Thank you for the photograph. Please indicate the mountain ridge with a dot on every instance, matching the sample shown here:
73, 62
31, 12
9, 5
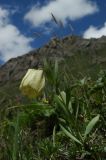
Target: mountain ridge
15, 68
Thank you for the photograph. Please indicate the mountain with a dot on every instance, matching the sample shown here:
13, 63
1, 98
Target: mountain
80, 56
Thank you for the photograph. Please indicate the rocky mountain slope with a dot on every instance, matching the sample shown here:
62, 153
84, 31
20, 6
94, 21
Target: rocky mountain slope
77, 51
80, 57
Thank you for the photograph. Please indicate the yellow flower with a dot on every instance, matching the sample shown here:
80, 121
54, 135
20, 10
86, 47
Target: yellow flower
33, 83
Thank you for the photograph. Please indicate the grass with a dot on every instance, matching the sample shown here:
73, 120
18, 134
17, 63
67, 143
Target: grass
70, 126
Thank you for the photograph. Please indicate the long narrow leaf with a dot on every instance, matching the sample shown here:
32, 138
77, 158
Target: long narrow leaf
91, 125
54, 136
70, 135
59, 102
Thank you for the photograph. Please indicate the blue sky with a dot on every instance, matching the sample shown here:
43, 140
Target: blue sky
22, 20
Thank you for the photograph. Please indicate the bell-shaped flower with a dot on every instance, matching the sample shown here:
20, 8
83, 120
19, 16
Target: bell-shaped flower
33, 83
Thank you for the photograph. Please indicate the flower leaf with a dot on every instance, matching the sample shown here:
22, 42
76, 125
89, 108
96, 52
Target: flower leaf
91, 125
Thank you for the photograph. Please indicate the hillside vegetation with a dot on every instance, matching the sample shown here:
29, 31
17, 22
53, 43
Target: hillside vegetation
68, 120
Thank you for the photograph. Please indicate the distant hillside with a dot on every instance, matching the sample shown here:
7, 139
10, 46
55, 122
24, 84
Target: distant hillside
80, 56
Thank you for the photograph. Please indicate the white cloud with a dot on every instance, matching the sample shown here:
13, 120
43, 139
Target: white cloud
94, 32
12, 42
62, 9
3, 16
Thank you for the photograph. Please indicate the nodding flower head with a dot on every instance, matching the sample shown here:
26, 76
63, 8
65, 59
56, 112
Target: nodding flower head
33, 83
